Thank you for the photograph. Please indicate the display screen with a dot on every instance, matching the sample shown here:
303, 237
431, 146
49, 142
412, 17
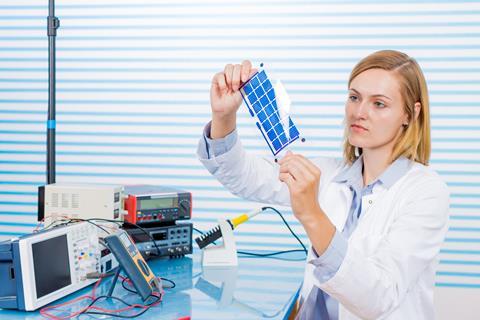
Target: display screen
160, 235
128, 244
125, 240
140, 237
158, 203
51, 265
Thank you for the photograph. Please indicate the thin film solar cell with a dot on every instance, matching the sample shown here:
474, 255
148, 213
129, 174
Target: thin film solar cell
259, 96
259, 92
262, 116
247, 89
267, 85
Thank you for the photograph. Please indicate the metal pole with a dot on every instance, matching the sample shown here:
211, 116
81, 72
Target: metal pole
52, 25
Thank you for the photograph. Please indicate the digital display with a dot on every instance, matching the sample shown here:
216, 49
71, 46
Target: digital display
160, 235
128, 243
125, 240
51, 265
140, 237
158, 203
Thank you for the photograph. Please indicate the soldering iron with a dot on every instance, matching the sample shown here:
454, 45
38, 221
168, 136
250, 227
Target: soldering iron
215, 233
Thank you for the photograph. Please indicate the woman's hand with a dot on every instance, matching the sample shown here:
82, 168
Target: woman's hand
302, 178
225, 97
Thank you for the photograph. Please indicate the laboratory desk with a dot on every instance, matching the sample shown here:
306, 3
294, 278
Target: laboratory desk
258, 288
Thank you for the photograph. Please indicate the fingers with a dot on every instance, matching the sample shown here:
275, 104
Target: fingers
246, 70
287, 178
290, 156
286, 158
228, 71
297, 170
313, 169
236, 75
219, 83
299, 166
237, 69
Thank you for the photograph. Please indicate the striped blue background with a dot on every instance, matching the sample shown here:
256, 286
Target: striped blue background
133, 96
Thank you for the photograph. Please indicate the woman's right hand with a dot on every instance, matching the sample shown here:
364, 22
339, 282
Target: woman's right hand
225, 97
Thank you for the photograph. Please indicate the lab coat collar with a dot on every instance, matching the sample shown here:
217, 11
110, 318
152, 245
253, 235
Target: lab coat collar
395, 171
352, 175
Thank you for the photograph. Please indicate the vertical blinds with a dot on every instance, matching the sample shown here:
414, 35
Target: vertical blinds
133, 81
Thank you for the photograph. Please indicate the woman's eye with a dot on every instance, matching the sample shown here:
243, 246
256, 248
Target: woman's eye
352, 98
380, 104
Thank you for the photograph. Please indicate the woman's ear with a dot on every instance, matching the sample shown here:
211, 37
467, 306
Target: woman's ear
416, 109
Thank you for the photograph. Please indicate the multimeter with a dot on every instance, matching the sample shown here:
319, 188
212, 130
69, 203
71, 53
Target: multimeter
147, 204
132, 262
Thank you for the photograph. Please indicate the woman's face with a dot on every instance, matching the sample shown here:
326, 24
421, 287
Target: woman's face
374, 110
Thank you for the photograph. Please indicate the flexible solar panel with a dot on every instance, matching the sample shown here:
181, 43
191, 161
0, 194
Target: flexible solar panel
259, 96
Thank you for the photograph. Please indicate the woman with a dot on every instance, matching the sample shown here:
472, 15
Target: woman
377, 218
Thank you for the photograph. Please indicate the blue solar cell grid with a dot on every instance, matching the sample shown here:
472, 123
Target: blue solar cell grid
259, 96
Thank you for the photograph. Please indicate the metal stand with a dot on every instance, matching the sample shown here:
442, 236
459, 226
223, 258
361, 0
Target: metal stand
52, 25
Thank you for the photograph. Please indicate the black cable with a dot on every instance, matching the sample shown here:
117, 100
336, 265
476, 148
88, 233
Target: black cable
69, 221
198, 230
148, 234
124, 280
96, 225
136, 226
169, 281
288, 226
106, 220
125, 287
54, 225
149, 305
134, 291
270, 254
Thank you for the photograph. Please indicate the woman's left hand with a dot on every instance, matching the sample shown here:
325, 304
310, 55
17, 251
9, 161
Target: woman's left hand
302, 178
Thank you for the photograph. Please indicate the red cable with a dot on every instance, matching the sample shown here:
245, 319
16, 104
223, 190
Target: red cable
92, 297
44, 312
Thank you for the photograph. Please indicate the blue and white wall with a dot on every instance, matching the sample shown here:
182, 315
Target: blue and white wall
133, 97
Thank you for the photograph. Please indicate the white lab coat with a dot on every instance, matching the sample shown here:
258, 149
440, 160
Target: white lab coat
389, 268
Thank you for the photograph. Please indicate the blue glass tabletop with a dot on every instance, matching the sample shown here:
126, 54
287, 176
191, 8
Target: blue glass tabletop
258, 288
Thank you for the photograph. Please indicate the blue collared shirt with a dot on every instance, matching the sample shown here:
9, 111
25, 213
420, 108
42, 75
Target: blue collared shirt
329, 262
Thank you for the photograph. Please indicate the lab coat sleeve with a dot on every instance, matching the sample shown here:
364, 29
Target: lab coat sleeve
331, 259
247, 176
208, 147
373, 286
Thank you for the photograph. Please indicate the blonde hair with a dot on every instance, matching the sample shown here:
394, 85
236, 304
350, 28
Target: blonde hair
414, 142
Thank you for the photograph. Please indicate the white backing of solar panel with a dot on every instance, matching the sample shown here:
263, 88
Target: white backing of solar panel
131, 74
